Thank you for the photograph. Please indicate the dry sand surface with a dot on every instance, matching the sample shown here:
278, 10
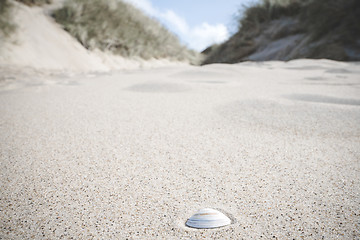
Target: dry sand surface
133, 154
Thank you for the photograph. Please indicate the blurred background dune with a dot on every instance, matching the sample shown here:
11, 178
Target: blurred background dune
112, 30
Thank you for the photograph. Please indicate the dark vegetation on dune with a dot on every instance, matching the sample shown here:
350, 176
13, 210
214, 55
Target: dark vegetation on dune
296, 29
120, 28
6, 25
34, 2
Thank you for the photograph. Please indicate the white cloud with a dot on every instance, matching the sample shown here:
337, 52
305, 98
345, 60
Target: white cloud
176, 21
196, 37
144, 5
205, 35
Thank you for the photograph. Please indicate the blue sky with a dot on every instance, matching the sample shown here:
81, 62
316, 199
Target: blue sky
198, 23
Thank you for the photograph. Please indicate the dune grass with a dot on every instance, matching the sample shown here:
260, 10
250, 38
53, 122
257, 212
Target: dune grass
318, 17
34, 2
268, 10
251, 24
120, 28
335, 18
332, 22
6, 25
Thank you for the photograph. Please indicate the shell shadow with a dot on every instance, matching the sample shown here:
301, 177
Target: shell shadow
157, 87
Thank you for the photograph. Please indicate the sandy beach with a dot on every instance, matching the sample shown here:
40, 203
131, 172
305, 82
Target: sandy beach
132, 154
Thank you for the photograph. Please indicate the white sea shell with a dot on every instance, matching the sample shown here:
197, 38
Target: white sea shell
208, 218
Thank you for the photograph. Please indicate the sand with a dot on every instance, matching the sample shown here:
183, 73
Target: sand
133, 154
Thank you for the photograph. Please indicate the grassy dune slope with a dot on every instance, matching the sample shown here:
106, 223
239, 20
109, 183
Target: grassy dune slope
6, 25
120, 28
290, 29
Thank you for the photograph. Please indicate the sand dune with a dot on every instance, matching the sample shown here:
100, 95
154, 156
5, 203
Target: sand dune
40, 43
133, 154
